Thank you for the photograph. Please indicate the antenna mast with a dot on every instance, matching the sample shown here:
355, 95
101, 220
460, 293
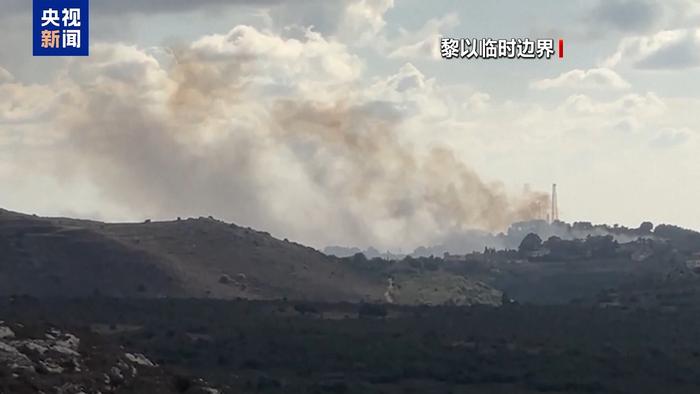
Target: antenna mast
555, 207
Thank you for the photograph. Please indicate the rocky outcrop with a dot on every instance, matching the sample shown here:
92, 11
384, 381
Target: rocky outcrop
57, 363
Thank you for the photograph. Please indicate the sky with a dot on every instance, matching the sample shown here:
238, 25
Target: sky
337, 122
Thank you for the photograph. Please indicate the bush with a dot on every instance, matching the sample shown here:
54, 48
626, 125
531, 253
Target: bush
182, 383
305, 308
372, 310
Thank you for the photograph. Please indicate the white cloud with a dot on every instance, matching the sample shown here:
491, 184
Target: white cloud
312, 64
5, 76
671, 137
424, 42
423, 48
21, 103
363, 20
665, 50
642, 106
596, 78
408, 78
356, 22
478, 101
411, 94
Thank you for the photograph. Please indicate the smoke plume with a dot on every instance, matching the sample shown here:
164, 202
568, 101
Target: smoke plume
210, 131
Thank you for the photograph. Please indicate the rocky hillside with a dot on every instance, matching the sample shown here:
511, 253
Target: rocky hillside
47, 360
201, 258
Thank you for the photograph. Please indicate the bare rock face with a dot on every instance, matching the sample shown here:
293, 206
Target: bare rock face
58, 362
139, 359
54, 354
14, 359
6, 332
121, 374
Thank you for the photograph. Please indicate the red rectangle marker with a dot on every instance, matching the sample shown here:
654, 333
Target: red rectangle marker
561, 48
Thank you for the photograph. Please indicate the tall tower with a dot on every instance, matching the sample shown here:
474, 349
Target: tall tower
555, 207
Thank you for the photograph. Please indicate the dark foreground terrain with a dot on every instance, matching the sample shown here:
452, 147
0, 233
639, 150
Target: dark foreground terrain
200, 306
208, 346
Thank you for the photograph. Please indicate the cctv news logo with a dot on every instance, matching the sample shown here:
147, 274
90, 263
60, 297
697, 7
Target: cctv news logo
61, 27
487, 48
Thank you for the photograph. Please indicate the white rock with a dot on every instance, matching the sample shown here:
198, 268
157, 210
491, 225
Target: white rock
6, 332
115, 376
64, 350
51, 367
35, 346
9, 355
69, 341
67, 344
140, 359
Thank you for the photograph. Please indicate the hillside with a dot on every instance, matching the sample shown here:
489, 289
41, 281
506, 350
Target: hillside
267, 347
52, 257
200, 258
35, 357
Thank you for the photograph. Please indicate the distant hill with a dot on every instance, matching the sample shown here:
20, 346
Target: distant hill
200, 258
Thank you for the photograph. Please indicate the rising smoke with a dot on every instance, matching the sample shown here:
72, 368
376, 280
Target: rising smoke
209, 134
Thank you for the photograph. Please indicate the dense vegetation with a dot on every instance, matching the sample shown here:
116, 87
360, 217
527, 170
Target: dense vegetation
285, 347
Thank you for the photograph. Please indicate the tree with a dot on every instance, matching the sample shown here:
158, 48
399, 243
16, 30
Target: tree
359, 258
530, 243
646, 227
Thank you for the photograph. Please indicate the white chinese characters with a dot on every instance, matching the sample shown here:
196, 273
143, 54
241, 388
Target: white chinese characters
61, 30
71, 39
50, 17
488, 48
449, 48
71, 17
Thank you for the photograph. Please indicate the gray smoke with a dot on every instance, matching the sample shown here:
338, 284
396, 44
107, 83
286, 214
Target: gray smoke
317, 171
